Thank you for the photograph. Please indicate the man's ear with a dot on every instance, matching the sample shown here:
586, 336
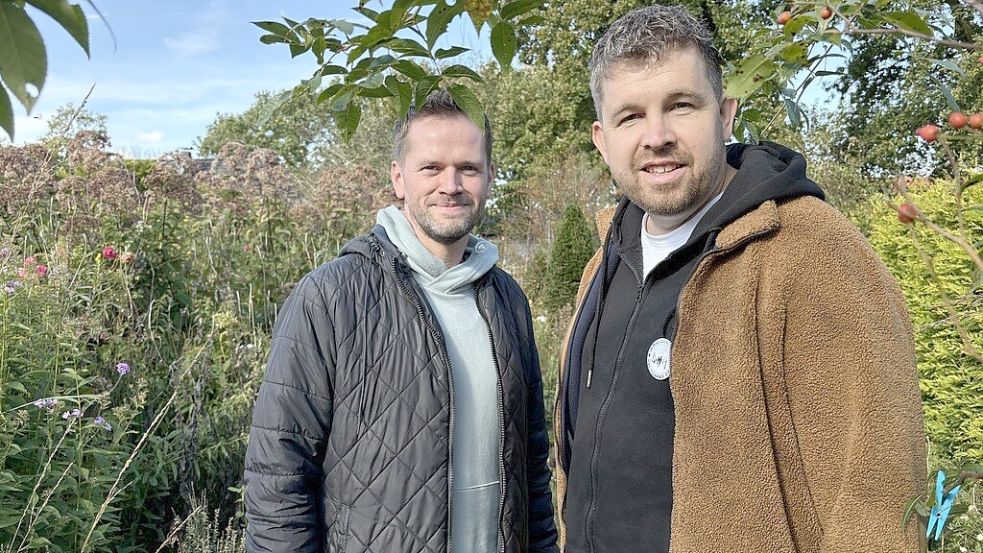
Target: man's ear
597, 135
728, 110
396, 176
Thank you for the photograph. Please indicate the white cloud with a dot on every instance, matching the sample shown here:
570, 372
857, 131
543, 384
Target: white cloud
193, 43
152, 136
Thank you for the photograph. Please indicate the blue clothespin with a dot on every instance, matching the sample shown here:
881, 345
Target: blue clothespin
940, 511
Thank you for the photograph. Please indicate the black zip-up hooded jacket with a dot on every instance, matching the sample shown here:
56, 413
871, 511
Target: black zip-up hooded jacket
618, 430
349, 449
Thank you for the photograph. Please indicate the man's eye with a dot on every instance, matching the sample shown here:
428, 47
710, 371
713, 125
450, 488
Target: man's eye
682, 105
470, 169
630, 117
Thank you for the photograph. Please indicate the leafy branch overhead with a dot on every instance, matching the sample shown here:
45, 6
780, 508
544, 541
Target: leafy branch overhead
396, 55
25, 60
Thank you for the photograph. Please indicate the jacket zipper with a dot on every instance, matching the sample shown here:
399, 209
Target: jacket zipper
588, 522
501, 421
442, 346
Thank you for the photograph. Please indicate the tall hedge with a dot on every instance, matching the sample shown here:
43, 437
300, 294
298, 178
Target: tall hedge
951, 379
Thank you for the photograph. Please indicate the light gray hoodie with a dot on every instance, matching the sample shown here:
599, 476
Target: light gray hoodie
475, 440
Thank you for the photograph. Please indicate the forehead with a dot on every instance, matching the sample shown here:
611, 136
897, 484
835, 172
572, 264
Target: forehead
435, 134
678, 69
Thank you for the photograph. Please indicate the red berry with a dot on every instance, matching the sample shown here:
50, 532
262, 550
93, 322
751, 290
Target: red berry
907, 213
826, 12
928, 133
784, 17
976, 120
958, 120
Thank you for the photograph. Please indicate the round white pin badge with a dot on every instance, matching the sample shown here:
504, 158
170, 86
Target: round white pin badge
658, 358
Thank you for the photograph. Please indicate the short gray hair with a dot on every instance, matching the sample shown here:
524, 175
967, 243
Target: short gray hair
648, 34
439, 103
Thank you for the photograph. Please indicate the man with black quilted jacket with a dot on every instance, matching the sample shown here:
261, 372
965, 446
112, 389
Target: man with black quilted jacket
402, 408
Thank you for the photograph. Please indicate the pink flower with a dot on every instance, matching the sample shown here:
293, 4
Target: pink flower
30, 261
22, 273
42, 271
127, 257
109, 253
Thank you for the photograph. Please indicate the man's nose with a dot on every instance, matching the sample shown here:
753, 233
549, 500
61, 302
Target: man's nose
450, 181
658, 133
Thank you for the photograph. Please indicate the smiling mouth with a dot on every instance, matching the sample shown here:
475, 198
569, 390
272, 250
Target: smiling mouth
661, 168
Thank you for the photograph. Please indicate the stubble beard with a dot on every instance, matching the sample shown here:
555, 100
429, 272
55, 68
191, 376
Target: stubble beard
447, 231
683, 195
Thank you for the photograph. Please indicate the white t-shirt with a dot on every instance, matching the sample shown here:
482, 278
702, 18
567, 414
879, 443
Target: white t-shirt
655, 248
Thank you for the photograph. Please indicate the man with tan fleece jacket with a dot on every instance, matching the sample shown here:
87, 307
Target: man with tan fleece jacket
739, 375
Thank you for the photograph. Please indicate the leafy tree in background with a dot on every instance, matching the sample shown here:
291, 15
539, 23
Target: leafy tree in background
294, 128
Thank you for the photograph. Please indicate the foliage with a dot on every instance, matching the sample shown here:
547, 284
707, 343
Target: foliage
397, 55
573, 247
179, 278
294, 128
25, 64
951, 377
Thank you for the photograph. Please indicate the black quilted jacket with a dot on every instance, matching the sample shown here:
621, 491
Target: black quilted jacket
349, 449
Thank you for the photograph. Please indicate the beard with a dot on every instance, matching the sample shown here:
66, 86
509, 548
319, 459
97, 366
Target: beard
679, 197
447, 230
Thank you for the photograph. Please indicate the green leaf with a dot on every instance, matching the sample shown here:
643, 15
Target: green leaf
469, 102
749, 76
532, 20
520, 7
407, 47
347, 119
437, 21
276, 28
504, 44
25, 61
909, 21
795, 25
423, 88
461, 71
344, 26
909, 510
949, 98
445, 53
330, 69
795, 52
402, 93
69, 16
371, 14
950, 65
410, 69
6, 113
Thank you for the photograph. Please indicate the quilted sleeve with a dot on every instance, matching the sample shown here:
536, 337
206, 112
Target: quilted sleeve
291, 421
542, 528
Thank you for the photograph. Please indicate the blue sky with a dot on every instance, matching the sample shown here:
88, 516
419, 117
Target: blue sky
176, 65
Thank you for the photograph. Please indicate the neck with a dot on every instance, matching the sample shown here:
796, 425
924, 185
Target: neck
664, 224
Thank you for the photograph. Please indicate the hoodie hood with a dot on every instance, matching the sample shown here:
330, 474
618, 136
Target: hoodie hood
765, 171
479, 255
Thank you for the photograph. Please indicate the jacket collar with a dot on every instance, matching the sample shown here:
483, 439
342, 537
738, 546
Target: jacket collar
760, 221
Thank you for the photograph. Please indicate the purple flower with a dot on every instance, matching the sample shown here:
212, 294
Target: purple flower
73, 414
4, 252
46, 403
99, 421
12, 286
122, 368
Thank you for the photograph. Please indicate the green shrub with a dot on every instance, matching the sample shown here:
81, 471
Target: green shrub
951, 378
571, 251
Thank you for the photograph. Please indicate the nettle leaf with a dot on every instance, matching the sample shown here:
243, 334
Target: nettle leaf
520, 7
504, 43
469, 102
25, 62
69, 16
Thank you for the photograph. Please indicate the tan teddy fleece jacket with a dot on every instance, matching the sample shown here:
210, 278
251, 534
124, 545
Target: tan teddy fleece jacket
807, 435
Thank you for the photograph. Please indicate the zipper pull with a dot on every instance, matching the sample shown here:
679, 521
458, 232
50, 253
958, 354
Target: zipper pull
590, 374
